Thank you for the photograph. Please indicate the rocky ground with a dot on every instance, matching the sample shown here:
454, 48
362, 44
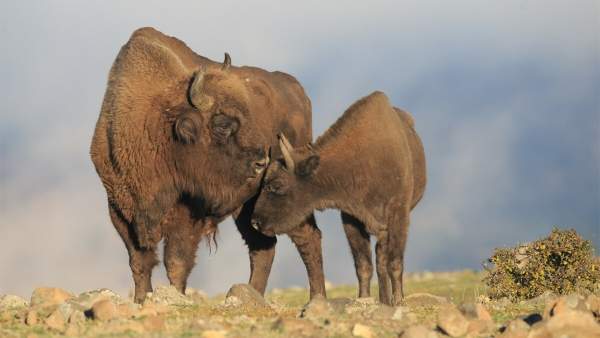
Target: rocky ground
436, 305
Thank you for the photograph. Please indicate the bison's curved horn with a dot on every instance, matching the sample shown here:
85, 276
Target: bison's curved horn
286, 148
196, 97
226, 62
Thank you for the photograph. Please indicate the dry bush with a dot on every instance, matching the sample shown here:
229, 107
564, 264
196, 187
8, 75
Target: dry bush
562, 263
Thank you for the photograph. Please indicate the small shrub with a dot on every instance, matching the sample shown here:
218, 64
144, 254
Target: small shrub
562, 263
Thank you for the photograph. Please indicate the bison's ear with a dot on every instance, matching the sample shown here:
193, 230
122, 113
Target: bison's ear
307, 166
186, 128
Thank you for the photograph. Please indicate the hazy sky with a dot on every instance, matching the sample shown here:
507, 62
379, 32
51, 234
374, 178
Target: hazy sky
505, 95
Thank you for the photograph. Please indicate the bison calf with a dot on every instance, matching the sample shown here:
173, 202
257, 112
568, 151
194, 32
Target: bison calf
370, 164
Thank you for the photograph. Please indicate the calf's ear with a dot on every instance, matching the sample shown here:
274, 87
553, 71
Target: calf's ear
186, 128
307, 166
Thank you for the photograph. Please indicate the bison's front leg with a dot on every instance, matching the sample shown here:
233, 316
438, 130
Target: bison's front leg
182, 235
261, 248
360, 245
141, 260
307, 238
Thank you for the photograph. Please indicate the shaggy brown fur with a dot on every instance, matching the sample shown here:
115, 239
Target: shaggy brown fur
181, 142
371, 165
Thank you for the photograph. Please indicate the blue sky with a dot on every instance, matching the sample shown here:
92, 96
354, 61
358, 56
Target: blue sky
505, 95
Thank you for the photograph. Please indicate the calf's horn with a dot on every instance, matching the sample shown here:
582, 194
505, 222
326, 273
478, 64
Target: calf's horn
285, 147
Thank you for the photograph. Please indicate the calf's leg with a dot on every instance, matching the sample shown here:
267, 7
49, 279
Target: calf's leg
398, 232
307, 238
360, 245
141, 260
381, 252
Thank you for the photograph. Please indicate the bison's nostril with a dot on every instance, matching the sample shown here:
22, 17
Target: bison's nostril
255, 224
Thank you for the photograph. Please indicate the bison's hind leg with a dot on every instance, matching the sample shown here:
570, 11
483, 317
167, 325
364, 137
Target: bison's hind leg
382, 259
360, 245
182, 236
141, 260
398, 232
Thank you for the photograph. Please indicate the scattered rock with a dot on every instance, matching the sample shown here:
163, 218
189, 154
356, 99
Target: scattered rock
86, 299
383, 312
6, 316
9, 302
76, 317
73, 331
419, 331
104, 310
318, 308
168, 295
360, 330
452, 322
340, 304
44, 296
476, 311
246, 295
360, 305
154, 323
424, 299
564, 304
128, 326
56, 321
571, 321
196, 296
31, 317
151, 309
592, 303
294, 325
514, 334
214, 334
479, 326
232, 301
127, 310
517, 325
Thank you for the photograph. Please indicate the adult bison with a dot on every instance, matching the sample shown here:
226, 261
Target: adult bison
181, 143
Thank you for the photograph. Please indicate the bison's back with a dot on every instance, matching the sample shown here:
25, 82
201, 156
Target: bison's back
417, 153
282, 104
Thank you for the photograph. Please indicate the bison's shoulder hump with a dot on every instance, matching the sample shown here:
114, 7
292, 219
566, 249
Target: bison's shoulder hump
406, 117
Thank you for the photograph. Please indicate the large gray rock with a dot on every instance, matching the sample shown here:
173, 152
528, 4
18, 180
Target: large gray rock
44, 296
104, 310
424, 299
452, 322
419, 331
168, 295
318, 308
294, 326
86, 299
246, 296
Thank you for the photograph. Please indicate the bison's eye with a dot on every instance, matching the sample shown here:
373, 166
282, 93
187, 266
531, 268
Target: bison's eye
223, 127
